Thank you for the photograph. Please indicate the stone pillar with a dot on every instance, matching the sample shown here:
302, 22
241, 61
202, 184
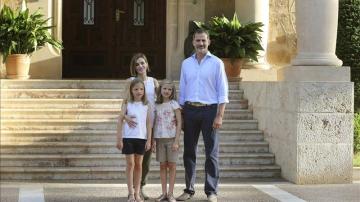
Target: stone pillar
316, 26
179, 13
317, 96
316, 44
256, 11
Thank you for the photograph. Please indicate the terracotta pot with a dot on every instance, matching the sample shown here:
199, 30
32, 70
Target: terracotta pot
233, 68
17, 66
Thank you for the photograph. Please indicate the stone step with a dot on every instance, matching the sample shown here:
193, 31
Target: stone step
112, 173
32, 103
237, 104
101, 160
63, 93
243, 114
107, 136
64, 84
76, 113
77, 84
59, 124
80, 93
96, 124
80, 113
35, 103
66, 130
109, 147
73, 136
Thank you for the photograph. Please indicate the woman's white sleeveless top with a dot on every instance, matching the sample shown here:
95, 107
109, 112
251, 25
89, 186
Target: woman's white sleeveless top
139, 111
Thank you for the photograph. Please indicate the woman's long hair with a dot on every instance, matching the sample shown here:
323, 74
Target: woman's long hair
135, 57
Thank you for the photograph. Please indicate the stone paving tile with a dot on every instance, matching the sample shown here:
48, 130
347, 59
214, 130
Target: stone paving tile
236, 192
85, 194
9, 194
110, 194
325, 192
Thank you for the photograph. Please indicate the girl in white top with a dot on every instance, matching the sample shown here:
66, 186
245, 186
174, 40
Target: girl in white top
139, 67
167, 131
133, 141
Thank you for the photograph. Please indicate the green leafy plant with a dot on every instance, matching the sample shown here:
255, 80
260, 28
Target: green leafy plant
231, 39
348, 35
348, 42
24, 33
357, 133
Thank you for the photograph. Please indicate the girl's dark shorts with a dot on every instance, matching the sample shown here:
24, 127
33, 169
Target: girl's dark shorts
134, 146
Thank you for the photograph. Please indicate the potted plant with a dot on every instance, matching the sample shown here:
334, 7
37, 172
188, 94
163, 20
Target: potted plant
233, 42
21, 34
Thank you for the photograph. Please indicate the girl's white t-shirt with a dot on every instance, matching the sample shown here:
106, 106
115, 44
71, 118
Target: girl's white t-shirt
138, 111
165, 119
150, 94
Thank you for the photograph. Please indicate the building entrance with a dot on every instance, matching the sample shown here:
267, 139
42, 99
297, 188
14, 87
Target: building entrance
100, 37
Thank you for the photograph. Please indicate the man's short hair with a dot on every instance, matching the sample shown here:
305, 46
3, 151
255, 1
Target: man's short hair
201, 31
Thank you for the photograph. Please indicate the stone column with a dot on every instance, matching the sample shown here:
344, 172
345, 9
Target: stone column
256, 11
316, 26
316, 44
316, 95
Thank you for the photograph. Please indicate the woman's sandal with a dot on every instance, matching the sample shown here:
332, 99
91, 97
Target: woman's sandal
138, 198
131, 198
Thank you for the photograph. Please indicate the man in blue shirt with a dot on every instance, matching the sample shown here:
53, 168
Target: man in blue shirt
203, 96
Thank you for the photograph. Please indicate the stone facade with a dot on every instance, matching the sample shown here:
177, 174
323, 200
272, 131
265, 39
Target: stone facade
282, 34
281, 44
310, 129
308, 114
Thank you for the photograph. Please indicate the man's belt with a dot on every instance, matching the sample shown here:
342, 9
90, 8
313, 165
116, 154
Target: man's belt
197, 104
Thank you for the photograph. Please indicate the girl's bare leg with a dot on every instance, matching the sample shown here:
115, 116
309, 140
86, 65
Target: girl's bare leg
163, 176
137, 175
172, 176
129, 172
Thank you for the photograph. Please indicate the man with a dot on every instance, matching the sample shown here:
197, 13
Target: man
203, 95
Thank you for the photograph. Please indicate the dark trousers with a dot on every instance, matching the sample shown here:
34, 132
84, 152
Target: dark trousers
145, 167
198, 119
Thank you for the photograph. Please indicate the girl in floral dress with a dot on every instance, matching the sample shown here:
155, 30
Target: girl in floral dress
167, 131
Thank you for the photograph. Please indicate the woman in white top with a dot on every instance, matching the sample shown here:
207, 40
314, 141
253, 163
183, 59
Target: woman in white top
139, 67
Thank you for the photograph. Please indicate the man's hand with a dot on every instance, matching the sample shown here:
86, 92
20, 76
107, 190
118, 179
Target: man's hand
217, 122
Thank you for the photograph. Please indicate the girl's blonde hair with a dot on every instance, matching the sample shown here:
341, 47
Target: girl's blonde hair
135, 57
130, 96
159, 97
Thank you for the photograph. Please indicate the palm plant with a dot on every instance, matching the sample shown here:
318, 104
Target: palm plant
23, 33
231, 39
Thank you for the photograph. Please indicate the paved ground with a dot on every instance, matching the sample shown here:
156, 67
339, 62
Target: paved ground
228, 192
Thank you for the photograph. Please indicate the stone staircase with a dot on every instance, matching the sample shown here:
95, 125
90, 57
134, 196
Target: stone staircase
65, 130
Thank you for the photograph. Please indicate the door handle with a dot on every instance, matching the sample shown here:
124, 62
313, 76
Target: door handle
118, 12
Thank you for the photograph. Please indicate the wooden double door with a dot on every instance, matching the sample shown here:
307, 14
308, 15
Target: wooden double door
100, 37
